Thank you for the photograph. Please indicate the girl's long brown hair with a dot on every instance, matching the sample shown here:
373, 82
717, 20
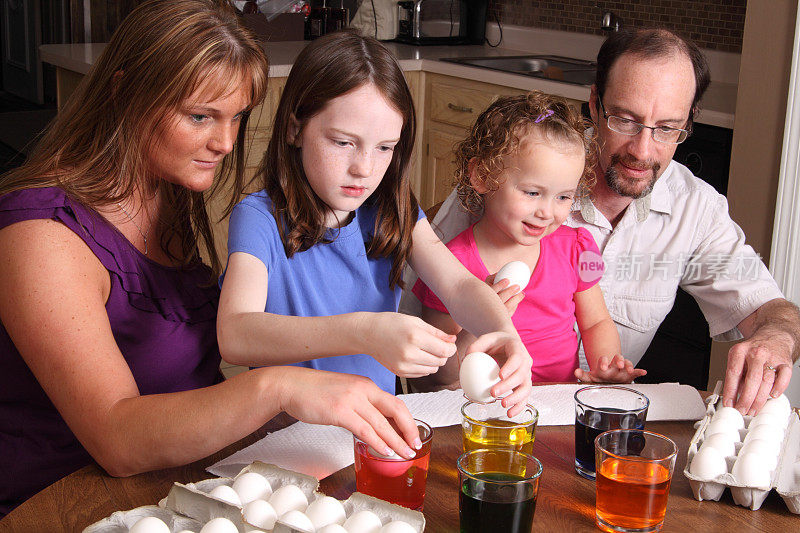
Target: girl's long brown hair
96, 148
327, 68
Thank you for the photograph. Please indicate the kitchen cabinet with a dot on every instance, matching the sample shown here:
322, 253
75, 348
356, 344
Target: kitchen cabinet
453, 104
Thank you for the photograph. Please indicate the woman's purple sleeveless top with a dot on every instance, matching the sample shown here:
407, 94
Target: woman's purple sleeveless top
163, 320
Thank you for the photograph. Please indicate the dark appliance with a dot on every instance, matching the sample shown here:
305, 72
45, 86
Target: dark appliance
326, 19
431, 22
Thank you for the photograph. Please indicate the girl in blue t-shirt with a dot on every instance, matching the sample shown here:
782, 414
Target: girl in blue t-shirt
315, 259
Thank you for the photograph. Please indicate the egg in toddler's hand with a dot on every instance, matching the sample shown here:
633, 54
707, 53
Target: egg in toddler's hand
251, 486
478, 374
516, 272
325, 510
708, 463
219, 525
363, 522
297, 520
288, 498
397, 526
226, 494
260, 513
150, 524
750, 469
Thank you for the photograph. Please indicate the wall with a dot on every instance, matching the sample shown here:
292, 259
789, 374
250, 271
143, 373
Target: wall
711, 24
758, 129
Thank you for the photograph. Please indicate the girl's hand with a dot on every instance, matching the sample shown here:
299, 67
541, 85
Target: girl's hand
515, 368
506, 292
610, 370
354, 403
406, 345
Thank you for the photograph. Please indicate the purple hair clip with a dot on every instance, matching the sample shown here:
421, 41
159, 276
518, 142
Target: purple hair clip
546, 114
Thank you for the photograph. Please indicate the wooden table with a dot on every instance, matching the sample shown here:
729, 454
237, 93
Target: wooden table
565, 503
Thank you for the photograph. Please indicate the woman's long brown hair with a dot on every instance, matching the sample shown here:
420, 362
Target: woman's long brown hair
96, 148
327, 68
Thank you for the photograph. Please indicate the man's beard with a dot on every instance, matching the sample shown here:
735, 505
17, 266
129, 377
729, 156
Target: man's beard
622, 186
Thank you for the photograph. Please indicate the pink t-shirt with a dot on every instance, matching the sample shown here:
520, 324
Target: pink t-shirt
545, 317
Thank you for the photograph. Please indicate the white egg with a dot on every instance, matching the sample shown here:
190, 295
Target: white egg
297, 520
708, 463
260, 513
219, 525
750, 469
769, 419
226, 494
325, 510
725, 426
150, 524
762, 446
252, 486
363, 522
332, 528
729, 413
779, 405
516, 272
721, 442
288, 498
189, 531
398, 526
479, 373
772, 433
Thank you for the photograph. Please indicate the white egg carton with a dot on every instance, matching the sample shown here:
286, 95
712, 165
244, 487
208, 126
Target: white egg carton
785, 478
194, 500
122, 521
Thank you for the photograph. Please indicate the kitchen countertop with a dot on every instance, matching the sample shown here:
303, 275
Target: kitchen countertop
717, 107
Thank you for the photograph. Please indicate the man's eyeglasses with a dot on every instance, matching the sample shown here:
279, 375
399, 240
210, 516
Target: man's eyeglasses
625, 126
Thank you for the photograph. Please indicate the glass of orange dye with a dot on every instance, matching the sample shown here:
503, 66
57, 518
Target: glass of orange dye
634, 469
394, 479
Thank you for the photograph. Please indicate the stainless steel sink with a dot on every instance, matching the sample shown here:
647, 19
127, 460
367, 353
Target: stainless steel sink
557, 68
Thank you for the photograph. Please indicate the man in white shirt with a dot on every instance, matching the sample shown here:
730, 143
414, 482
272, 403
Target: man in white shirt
659, 227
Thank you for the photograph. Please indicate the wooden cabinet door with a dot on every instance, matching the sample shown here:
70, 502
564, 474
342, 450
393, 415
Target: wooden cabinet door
441, 166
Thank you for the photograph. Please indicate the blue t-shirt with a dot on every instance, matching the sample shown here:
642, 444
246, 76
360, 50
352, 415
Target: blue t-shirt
327, 279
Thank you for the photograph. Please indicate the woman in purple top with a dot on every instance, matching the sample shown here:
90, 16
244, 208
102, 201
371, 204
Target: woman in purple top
108, 348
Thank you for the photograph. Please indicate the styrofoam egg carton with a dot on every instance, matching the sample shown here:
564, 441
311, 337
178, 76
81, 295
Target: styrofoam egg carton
122, 521
778, 468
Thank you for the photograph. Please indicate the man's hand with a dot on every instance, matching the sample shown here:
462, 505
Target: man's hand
758, 368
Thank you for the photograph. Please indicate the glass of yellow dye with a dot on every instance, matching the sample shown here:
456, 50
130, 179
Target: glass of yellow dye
488, 426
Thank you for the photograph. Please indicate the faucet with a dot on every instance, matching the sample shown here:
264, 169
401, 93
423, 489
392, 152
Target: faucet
416, 25
610, 22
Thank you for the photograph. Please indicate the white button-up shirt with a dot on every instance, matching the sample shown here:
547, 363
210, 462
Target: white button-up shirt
680, 235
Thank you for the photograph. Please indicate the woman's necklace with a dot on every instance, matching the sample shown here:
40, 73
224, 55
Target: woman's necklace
138, 228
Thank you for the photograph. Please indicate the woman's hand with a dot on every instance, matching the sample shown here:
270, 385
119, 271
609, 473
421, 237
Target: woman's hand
406, 345
515, 368
508, 293
616, 369
352, 402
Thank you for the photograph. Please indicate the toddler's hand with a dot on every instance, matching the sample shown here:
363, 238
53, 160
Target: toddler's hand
406, 345
506, 292
616, 369
515, 368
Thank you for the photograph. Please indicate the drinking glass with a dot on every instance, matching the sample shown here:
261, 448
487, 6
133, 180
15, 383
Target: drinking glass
634, 470
497, 490
394, 479
488, 426
601, 408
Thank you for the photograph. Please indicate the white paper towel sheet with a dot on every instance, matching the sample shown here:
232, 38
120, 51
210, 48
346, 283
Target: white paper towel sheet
320, 451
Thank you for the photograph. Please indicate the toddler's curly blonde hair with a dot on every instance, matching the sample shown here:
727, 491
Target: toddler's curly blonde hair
498, 131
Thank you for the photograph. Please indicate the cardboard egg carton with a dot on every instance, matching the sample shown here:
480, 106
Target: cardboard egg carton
122, 521
189, 506
785, 479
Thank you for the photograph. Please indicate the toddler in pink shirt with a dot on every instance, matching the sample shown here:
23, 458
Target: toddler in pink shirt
522, 166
